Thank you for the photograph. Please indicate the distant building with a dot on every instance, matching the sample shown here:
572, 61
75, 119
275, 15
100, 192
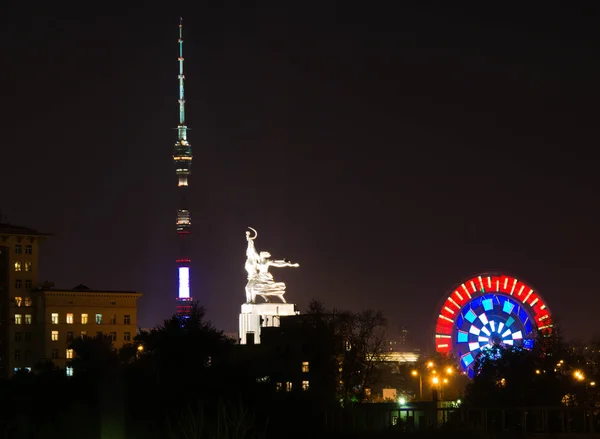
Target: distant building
63, 315
290, 361
38, 322
18, 278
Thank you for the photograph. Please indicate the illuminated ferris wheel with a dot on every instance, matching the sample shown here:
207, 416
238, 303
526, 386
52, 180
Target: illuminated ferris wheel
488, 310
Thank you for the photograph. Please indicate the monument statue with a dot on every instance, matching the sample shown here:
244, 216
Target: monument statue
260, 281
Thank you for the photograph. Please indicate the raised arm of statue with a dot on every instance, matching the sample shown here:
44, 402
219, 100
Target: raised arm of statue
282, 263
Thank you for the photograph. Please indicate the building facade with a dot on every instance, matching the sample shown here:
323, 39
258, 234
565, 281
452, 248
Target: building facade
38, 322
63, 315
19, 250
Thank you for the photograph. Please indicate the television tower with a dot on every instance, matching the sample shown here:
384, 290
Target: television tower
182, 157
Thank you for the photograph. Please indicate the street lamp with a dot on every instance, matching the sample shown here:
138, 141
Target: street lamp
417, 374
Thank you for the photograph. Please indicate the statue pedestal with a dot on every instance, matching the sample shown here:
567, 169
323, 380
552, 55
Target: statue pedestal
260, 315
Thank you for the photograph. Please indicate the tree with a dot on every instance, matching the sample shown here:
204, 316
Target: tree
357, 341
551, 374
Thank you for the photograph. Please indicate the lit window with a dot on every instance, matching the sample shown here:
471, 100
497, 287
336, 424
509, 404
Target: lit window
18, 301
305, 366
54, 318
113, 336
54, 354
113, 320
83, 334
18, 319
28, 319
18, 283
17, 336
98, 319
127, 319
278, 387
18, 249
69, 371
69, 354
28, 301
84, 318
54, 336
69, 318
288, 386
305, 385
70, 336
28, 266
127, 336
17, 266
17, 354
28, 249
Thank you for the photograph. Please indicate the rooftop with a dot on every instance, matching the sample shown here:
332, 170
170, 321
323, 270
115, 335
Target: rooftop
13, 229
49, 288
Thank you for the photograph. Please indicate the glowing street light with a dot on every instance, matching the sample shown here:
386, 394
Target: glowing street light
430, 364
435, 380
449, 370
579, 375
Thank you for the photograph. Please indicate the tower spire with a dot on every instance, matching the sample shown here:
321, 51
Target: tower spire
182, 129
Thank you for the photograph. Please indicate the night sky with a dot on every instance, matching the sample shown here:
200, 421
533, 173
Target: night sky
392, 152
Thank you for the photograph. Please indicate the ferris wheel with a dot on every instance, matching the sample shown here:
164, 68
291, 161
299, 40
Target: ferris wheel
489, 310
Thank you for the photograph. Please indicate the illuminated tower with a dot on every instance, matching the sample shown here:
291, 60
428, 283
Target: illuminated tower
182, 157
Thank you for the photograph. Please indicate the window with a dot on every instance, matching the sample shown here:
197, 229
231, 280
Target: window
28, 336
113, 320
305, 366
28, 249
113, 336
28, 301
70, 318
27, 354
99, 334
98, 319
18, 301
28, 266
17, 354
18, 319
17, 266
69, 354
83, 334
54, 336
113, 302
127, 336
127, 319
18, 283
54, 318
305, 385
69, 371
17, 336
70, 336
84, 318
278, 387
28, 319
18, 249
54, 354
288, 386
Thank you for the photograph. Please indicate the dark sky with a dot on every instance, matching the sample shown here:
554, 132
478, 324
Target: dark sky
391, 151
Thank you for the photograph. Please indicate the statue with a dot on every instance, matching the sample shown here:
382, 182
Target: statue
260, 281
